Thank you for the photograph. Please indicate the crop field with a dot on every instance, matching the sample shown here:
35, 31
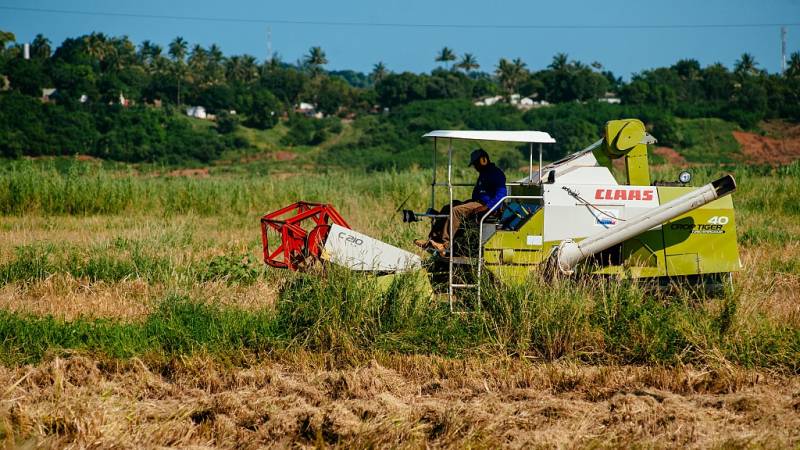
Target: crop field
135, 312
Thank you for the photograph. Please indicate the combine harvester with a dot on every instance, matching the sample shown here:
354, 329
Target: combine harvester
569, 217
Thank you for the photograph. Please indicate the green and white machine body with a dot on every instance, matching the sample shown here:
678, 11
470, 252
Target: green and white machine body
576, 217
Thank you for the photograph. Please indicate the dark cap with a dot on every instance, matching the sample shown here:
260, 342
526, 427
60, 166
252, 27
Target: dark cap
476, 155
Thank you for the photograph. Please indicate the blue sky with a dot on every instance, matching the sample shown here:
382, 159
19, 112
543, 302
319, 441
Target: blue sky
624, 51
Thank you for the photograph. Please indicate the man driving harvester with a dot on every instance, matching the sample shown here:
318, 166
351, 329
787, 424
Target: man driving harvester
488, 191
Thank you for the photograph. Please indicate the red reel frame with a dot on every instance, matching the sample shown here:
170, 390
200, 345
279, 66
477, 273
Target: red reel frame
297, 244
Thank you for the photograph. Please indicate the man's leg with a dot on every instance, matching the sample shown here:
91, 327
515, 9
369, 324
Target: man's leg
440, 223
437, 226
460, 213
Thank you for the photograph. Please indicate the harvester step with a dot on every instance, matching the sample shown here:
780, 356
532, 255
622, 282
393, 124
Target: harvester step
463, 260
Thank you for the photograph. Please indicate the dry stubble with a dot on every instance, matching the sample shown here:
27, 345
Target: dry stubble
396, 401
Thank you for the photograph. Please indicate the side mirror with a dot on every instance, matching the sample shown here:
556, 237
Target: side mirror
551, 177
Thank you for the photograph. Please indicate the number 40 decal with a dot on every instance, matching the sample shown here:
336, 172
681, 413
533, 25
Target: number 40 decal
718, 220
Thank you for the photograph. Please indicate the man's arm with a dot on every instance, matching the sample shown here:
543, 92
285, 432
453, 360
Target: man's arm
498, 188
481, 196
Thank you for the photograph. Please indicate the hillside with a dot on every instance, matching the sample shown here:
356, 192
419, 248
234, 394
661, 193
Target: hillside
104, 97
700, 142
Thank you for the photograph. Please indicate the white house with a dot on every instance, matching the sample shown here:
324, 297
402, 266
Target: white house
198, 112
308, 109
525, 101
49, 94
610, 98
489, 101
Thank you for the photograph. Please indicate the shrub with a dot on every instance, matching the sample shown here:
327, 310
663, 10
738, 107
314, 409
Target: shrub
266, 110
307, 131
227, 123
232, 269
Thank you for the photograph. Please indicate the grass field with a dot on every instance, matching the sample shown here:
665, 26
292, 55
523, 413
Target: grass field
134, 311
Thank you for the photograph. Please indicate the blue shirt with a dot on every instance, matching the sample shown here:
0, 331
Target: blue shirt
490, 187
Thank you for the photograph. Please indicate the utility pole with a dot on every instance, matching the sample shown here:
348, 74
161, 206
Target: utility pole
783, 49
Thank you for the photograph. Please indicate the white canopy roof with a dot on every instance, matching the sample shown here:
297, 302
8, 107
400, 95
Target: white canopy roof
536, 137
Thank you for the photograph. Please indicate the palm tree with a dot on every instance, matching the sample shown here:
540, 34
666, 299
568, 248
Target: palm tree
510, 74
468, 63
6, 37
40, 47
519, 65
198, 57
122, 53
215, 55
379, 72
198, 62
241, 69
560, 62
177, 49
97, 46
746, 65
249, 69
215, 68
149, 53
315, 60
793, 68
446, 55
233, 68
161, 65
274, 63
112, 54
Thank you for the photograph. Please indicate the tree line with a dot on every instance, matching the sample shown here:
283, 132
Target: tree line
91, 73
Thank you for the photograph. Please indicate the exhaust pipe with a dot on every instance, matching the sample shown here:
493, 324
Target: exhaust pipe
570, 253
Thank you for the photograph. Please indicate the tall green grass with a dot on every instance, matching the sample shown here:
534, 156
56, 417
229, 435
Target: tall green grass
352, 315
28, 187
39, 261
36, 187
36, 262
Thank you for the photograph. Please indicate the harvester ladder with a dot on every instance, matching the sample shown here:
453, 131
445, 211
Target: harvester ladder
452, 286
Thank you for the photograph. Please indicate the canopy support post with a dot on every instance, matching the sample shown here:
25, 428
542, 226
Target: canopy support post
540, 163
433, 183
450, 222
530, 162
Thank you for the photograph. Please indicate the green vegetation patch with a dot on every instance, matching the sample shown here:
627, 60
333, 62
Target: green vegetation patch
39, 261
708, 141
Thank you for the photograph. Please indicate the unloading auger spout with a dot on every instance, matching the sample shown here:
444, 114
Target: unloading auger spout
569, 253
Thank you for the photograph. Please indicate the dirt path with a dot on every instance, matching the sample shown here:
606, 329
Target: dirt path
759, 149
197, 173
671, 156
397, 402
